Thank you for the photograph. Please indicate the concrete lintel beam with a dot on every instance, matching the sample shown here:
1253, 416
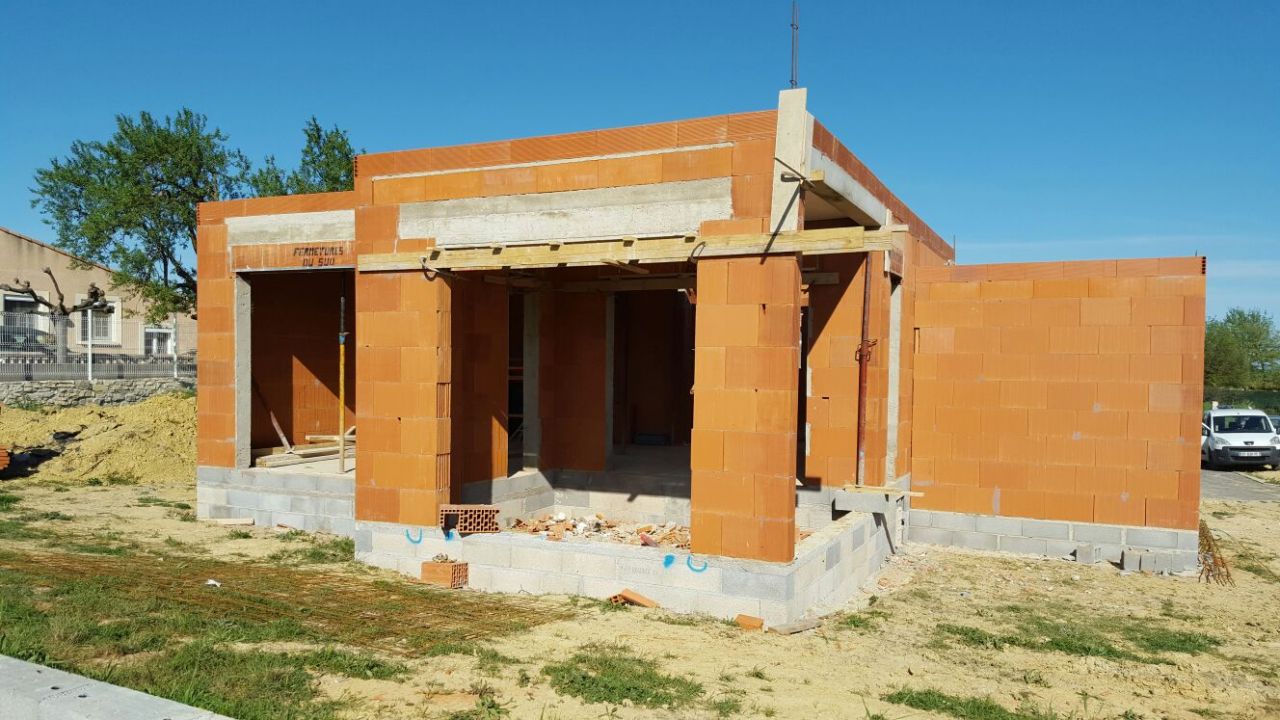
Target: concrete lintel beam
830, 182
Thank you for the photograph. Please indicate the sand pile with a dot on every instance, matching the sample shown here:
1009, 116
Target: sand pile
154, 441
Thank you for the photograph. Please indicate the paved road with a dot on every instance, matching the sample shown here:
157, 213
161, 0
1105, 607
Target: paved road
1226, 485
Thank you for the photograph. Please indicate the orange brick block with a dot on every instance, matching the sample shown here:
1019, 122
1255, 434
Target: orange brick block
1119, 510
1105, 311
1070, 507
1073, 340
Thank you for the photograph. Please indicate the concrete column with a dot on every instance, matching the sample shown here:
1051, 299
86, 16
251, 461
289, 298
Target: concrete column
243, 324
532, 415
609, 330
746, 395
792, 145
893, 401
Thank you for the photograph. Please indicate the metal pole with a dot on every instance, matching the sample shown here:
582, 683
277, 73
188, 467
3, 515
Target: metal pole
342, 378
173, 340
864, 358
89, 329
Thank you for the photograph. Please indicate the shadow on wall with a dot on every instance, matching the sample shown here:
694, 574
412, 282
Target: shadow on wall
295, 353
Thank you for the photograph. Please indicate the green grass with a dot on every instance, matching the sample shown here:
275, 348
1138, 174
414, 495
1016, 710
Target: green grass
488, 660
865, 620
18, 530
320, 551
153, 501
149, 622
1160, 640
725, 706
46, 515
965, 708
1248, 557
8, 501
613, 674
1143, 640
239, 535
113, 478
487, 707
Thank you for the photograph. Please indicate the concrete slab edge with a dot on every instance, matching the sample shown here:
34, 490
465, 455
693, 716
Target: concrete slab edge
35, 692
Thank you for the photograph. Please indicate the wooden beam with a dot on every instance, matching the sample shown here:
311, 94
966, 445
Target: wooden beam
630, 250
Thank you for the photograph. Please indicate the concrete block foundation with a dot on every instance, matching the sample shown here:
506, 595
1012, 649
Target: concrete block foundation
1162, 550
830, 566
306, 501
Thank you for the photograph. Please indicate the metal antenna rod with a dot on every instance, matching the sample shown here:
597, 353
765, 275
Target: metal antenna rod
795, 43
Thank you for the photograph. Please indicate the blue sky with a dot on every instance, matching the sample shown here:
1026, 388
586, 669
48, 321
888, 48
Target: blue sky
1027, 130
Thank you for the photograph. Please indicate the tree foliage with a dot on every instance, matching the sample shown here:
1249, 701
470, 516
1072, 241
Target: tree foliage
326, 166
130, 202
1242, 350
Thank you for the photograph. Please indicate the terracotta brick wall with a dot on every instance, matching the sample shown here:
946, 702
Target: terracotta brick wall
480, 368
215, 306
295, 354
653, 367
571, 401
1064, 391
746, 387
404, 352
215, 349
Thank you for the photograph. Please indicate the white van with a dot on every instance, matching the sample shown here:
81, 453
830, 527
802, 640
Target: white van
1239, 437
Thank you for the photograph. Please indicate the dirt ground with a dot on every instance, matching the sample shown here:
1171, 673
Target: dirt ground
1040, 638
151, 442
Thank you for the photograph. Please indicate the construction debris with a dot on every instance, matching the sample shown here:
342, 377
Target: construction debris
631, 597
232, 521
1213, 566
749, 622
598, 527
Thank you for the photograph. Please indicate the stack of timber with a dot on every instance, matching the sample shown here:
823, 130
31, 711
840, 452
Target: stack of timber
4, 457
317, 447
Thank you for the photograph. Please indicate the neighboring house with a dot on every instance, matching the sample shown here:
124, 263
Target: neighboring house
123, 331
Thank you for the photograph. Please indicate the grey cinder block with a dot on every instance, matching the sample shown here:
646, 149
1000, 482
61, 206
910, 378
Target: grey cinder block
975, 540
999, 525
920, 518
1088, 553
1047, 529
954, 521
1132, 560
931, 535
1152, 538
1023, 545
1102, 534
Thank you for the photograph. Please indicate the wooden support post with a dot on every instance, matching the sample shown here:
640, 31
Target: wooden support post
342, 379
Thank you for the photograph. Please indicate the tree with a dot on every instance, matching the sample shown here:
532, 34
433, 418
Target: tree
327, 165
130, 202
58, 311
1242, 350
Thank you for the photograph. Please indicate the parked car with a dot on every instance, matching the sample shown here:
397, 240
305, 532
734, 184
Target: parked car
1239, 437
19, 339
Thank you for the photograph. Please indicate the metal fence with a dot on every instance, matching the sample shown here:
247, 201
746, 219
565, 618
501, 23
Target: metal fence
94, 345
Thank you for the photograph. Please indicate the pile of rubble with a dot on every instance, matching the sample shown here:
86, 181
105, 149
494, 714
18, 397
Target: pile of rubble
561, 526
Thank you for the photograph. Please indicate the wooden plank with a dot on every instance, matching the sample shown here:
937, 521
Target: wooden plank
627, 250
307, 455
677, 282
881, 490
